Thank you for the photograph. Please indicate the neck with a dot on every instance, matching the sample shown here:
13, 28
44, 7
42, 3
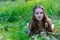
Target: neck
40, 21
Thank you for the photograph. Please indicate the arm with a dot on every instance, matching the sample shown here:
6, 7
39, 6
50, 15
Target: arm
29, 29
49, 28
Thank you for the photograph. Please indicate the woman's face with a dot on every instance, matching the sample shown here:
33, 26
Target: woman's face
38, 14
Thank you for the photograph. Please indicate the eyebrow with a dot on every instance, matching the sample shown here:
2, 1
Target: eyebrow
38, 12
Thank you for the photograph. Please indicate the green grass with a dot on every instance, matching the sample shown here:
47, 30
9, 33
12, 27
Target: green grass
14, 17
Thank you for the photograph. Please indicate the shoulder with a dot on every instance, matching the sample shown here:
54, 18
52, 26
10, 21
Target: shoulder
49, 20
30, 24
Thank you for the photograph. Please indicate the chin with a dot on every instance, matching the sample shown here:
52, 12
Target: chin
39, 19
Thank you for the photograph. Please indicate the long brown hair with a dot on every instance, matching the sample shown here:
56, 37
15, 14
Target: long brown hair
33, 25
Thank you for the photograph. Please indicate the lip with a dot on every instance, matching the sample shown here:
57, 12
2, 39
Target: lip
39, 17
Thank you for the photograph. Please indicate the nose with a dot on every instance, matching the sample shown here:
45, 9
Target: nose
39, 14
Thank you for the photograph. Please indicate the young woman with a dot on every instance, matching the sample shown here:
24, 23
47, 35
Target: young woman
40, 23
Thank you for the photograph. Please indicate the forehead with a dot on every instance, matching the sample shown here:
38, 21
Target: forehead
38, 10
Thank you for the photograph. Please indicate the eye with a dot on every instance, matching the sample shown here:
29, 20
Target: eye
36, 13
41, 12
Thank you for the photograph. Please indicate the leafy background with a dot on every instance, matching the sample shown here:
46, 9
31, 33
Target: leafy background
15, 14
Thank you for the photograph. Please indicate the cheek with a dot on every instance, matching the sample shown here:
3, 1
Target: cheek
36, 15
42, 16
